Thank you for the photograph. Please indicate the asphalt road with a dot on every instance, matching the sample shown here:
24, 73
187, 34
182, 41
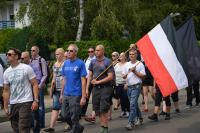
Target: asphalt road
188, 121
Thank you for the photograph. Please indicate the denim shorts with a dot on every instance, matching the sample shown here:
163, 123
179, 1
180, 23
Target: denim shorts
56, 102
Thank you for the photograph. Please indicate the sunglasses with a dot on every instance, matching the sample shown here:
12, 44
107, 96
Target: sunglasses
132, 54
9, 54
71, 51
90, 51
32, 50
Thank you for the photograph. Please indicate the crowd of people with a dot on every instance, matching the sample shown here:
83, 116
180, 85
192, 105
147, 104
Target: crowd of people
112, 83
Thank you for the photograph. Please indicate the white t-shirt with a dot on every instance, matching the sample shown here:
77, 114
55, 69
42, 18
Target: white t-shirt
119, 73
18, 78
132, 79
87, 64
1, 76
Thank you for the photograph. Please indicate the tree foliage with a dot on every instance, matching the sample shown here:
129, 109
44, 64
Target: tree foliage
57, 20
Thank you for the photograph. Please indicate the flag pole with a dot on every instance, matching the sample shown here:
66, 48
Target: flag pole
115, 62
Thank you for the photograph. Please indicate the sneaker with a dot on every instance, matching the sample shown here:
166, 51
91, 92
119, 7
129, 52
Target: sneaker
130, 126
137, 122
162, 113
167, 116
127, 115
90, 119
141, 120
67, 128
51, 130
153, 117
104, 130
188, 107
123, 114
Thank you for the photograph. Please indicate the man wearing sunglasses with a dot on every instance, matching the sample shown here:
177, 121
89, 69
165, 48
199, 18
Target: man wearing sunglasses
73, 94
39, 66
91, 56
20, 91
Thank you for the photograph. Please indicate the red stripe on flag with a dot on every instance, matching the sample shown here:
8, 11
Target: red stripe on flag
156, 67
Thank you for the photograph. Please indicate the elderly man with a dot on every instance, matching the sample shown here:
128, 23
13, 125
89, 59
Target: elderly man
102, 91
73, 94
21, 91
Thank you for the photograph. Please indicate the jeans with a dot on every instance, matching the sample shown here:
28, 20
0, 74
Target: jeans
41, 108
35, 121
56, 102
71, 110
133, 95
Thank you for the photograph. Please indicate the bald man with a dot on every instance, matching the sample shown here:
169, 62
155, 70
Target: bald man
25, 57
102, 91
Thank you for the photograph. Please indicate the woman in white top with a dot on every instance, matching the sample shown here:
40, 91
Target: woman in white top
120, 91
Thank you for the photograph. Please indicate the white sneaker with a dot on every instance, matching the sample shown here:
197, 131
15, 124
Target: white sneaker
137, 122
129, 126
127, 115
123, 114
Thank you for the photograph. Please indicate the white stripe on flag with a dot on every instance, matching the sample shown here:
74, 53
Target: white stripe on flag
168, 56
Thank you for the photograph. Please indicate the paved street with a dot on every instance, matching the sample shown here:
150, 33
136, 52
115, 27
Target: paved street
188, 121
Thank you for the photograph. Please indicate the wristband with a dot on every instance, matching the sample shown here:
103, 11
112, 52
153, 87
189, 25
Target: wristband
36, 100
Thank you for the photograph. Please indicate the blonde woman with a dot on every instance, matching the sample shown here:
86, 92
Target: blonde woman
119, 87
56, 88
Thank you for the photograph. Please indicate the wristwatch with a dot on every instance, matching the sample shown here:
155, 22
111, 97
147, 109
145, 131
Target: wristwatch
36, 100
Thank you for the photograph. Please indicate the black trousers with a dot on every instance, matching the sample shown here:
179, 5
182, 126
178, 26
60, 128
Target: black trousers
159, 97
195, 88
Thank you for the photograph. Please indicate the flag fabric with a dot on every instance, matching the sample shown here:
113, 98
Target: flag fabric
164, 57
187, 38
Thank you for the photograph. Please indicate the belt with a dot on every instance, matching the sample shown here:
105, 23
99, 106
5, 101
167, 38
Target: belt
119, 84
135, 85
101, 86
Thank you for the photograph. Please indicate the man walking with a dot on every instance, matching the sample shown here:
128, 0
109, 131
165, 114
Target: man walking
25, 58
73, 93
19, 86
40, 68
134, 73
91, 56
102, 91
1, 87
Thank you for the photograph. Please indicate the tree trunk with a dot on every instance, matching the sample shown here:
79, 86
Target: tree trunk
81, 21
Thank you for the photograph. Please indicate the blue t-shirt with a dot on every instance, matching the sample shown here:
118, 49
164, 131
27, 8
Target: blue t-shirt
72, 71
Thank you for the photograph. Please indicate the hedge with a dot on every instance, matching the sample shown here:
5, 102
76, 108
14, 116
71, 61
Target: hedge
110, 46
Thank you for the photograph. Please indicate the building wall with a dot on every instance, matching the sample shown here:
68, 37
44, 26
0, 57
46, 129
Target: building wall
26, 21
